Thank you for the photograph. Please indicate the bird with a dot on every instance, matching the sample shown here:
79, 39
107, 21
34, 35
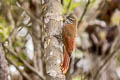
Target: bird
69, 32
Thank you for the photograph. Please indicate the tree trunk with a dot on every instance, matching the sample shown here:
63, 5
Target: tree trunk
52, 39
3, 65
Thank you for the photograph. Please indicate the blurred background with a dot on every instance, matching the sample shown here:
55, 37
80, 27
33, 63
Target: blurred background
96, 56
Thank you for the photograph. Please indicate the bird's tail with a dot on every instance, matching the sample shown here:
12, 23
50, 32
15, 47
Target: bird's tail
65, 63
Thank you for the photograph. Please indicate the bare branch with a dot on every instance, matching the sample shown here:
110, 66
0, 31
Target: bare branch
84, 12
24, 62
113, 52
4, 70
24, 74
53, 45
68, 7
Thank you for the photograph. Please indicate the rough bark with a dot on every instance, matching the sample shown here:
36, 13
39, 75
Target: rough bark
3, 65
52, 39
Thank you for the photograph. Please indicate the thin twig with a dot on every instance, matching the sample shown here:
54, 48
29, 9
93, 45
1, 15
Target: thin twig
24, 74
28, 11
62, 2
68, 7
105, 63
24, 62
112, 54
10, 17
84, 12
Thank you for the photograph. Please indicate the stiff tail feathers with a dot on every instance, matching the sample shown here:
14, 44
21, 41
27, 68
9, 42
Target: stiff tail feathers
65, 63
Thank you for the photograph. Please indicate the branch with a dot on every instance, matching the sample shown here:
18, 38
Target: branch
4, 70
68, 7
84, 12
113, 52
24, 62
105, 63
24, 74
10, 17
29, 12
53, 48
62, 2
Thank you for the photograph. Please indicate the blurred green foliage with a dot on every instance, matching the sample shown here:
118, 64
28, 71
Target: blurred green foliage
82, 77
10, 2
75, 3
19, 42
15, 59
23, 56
5, 29
72, 6
77, 78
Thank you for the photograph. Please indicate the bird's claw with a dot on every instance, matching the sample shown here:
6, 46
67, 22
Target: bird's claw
64, 68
